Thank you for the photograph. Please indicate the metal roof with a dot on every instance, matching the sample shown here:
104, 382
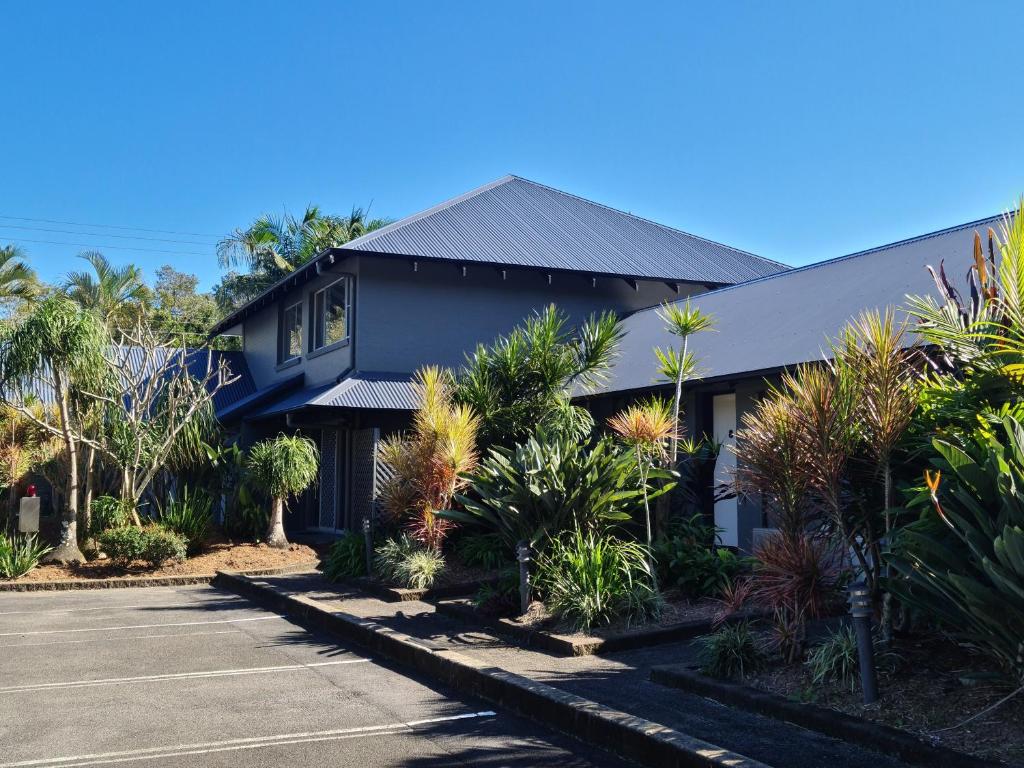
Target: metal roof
516, 222
785, 319
362, 390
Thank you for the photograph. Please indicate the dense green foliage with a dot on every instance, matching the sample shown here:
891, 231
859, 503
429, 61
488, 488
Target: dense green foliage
110, 512
732, 651
151, 544
688, 559
190, 516
346, 557
484, 550
835, 658
549, 484
284, 465
589, 578
406, 562
19, 555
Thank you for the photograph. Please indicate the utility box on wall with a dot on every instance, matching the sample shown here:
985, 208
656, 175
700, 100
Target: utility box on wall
28, 514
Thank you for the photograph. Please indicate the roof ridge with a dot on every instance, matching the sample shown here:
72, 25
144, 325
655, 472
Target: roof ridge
835, 260
414, 217
646, 220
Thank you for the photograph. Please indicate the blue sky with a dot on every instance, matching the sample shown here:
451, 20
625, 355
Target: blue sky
799, 131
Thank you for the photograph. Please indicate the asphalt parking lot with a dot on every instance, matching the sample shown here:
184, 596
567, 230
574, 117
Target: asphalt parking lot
194, 676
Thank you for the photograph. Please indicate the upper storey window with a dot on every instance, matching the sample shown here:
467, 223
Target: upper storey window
330, 313
289, 334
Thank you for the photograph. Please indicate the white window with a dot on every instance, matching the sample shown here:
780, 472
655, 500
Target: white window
329, 314
289, 334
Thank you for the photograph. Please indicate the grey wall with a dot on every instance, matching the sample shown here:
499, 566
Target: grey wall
406, 319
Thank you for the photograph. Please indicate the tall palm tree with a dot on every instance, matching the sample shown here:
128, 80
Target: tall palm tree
17, 280
114, 294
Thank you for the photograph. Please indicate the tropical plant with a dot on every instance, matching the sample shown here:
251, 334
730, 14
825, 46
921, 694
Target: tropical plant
117, 295
406, 562
646, 428
688, 559
500, 598
151, 544
19, 555
110, 512
962, 562
17, 280
24, 445
835, 658
797, 578
524, 381
483, 550
282, 467
732, 651
346, 557
59, 348
427, 466
190, 515
549, 484
590, 578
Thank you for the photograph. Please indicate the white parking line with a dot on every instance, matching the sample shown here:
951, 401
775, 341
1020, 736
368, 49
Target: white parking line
228, 745
137, 626
113, 639
174, 676
111, 607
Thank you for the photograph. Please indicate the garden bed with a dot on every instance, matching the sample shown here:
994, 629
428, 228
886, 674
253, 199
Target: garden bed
928, 689
249, 558
679, 620
454, 581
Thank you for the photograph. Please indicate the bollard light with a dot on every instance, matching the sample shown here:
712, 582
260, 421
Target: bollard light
523, 555
861, 611
368, 544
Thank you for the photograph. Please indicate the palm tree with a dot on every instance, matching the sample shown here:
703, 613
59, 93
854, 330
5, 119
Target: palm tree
283, 466
114, 294
58, 346
17, 280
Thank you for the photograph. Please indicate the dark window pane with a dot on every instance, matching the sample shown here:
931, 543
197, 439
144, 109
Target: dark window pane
291, 333
330, 315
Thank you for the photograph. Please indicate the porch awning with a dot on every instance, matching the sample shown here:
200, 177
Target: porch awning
361, 390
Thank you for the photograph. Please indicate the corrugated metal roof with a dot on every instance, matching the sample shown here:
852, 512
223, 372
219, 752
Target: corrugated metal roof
369, 390
196, 361
788, 318
516, 222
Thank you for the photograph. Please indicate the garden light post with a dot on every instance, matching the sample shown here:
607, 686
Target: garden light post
861, 610
523, 556
368, 543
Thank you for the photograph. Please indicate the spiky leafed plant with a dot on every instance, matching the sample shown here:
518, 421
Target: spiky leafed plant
116, 294
428, 464
17, 280
282, 467
682, 321
60, 347
647, 428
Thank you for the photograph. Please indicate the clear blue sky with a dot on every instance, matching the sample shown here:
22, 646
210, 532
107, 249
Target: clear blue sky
799, 131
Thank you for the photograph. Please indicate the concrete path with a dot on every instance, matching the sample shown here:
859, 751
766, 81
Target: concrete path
193, 676
619, 680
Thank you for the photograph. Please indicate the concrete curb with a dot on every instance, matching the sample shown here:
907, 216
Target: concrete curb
634, 738
565, 645
838, 725
143, 581
401, 594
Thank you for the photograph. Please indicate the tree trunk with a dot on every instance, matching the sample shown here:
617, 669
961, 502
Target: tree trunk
275, 530
90, 465
67, 550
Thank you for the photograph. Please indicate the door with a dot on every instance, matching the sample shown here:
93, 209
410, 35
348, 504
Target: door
723, 410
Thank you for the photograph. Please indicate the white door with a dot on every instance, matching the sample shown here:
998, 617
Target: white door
723, 414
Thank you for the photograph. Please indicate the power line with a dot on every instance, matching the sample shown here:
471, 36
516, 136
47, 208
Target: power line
116, 247
101, 234
112, 226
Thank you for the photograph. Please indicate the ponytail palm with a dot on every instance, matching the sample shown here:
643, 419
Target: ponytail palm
282, 467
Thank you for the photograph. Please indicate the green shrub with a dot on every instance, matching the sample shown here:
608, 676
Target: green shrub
688, 560
19, 555
404, 561
483, 550
731, 651
110, 512
346, 558
500, 598
190, 516
153, 545
835, 658
589, 579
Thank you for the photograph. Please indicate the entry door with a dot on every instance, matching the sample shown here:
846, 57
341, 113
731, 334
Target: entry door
724, 430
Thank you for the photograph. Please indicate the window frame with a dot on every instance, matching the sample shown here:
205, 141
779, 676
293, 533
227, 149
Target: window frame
311, 347
284, 355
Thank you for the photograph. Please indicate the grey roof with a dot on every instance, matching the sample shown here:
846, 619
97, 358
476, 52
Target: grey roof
195, 360
362, 390
516, 222
788, 318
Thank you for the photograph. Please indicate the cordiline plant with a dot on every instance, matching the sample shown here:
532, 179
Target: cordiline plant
963, 561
